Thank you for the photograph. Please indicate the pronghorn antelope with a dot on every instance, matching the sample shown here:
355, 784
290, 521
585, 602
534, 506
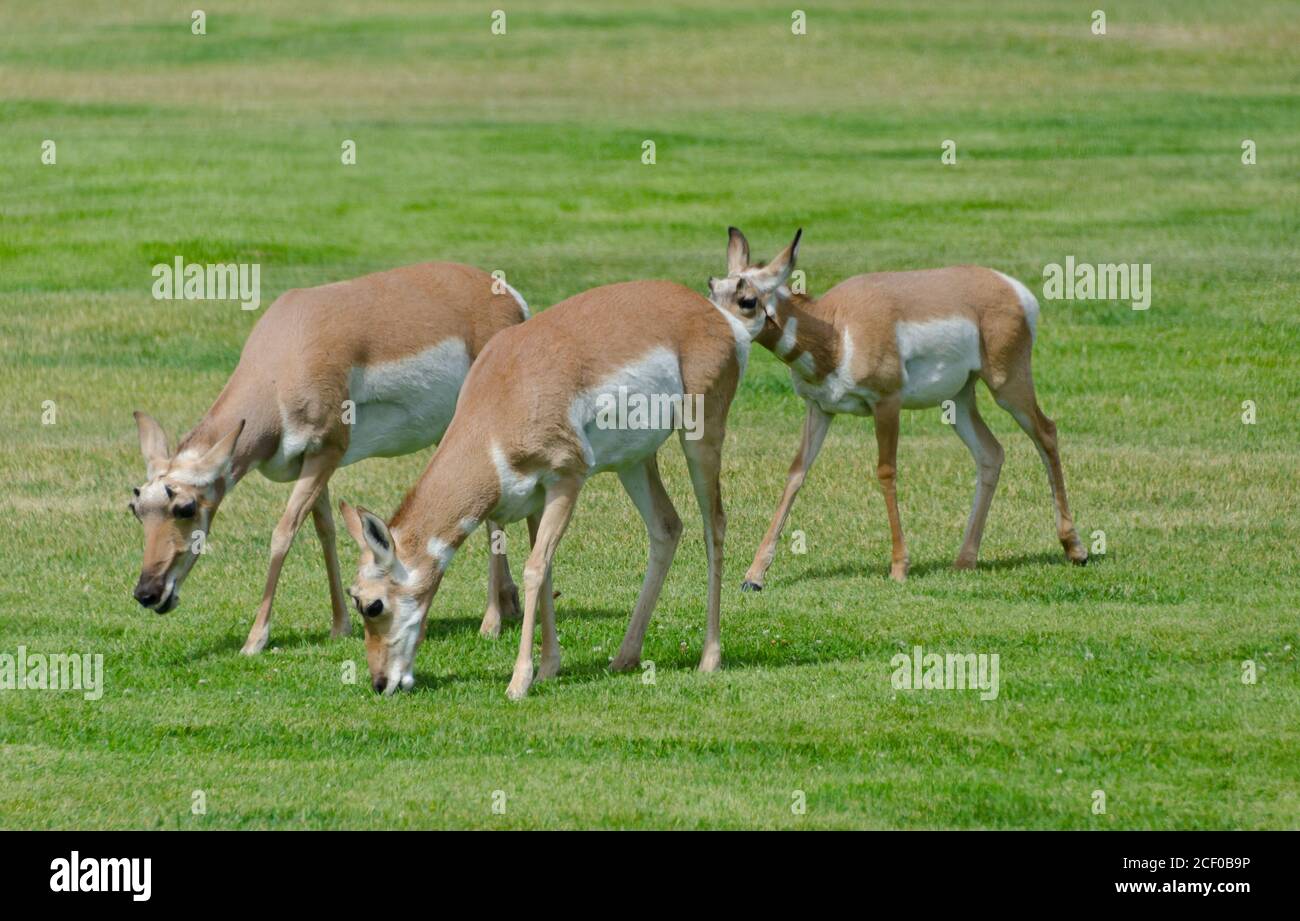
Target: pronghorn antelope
876, 344
329, 376
529, 430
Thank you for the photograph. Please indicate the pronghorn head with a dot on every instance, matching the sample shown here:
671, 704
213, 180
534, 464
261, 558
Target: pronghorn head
754, 290
391, 603
175, 505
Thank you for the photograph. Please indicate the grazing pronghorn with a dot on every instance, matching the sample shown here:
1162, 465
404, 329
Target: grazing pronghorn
533, 423
329, 376
879, 343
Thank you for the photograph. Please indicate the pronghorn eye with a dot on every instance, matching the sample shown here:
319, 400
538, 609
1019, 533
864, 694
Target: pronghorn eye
374, 609
135, 491
171, 493
748, 303
185, 511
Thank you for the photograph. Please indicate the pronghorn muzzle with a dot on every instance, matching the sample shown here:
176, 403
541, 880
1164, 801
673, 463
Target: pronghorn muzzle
159, 594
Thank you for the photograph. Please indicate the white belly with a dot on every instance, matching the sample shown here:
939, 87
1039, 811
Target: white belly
624, 419
403, 406
938, 359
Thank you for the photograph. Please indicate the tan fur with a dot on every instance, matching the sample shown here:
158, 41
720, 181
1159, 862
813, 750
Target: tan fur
518, 397
869, 309
303, 347
539, 368
293, 376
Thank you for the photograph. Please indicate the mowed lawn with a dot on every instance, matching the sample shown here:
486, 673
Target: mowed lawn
523, 152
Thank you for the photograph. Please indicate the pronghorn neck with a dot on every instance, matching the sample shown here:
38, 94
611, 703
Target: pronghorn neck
449, 502
219, 421
801, 328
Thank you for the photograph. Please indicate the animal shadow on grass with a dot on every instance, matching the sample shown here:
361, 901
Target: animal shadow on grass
231, 643
919, 570
458, 626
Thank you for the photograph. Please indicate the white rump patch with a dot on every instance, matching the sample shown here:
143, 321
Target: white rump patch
519, 299
938, 358
1028, 303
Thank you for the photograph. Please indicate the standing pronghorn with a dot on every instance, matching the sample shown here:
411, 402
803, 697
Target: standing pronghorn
329, 376
876, 344
533, 423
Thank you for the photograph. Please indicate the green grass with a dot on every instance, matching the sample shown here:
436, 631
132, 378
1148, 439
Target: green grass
522, 152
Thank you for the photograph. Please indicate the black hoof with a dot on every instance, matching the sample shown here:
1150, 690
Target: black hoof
748, 586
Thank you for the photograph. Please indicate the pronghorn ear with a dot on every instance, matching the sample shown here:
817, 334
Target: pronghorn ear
352, 521
215, 464
153, 444
377, 538
778, 270
737, 252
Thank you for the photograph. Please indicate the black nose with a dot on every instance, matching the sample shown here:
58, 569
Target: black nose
379, 684
147, 596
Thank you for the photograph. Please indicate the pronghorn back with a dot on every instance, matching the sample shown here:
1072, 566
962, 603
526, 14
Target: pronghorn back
653, 335
397, 343
976, 318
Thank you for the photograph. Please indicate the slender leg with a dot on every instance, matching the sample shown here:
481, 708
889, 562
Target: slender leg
550, 663
704, 460
502, 596
886, 413
316, 471
664, 529
323, 518
1017, 397
508, 594
986, 451
814, 433
560, 500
